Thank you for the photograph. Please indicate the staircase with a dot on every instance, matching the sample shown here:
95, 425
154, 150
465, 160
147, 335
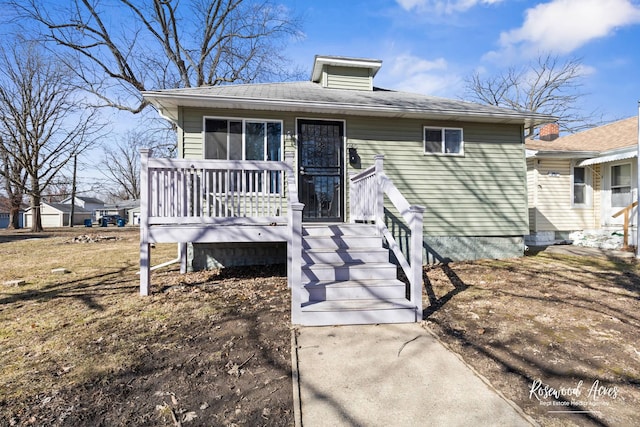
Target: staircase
347, 278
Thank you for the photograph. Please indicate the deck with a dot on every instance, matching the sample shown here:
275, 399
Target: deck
204, 201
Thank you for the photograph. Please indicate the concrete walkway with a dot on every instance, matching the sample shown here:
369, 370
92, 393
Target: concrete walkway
389, 375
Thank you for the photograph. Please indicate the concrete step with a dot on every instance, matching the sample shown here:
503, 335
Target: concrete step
355, 290
336, 256
357, 312
338, 272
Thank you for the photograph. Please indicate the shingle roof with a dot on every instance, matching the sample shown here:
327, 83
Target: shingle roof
312, 97
90, 200
620, 134
66, 208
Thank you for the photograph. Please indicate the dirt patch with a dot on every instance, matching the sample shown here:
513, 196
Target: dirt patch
558, 335
209, 348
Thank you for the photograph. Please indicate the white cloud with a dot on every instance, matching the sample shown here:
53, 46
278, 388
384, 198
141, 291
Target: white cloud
430, 77
442, 6
562, 26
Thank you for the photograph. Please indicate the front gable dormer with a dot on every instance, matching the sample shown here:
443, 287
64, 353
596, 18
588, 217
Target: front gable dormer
336, 72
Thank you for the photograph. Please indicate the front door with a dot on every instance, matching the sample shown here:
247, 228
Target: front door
321, 170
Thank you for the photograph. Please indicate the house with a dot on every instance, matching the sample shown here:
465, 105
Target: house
320, 173
57, 215
5, 206
90, 204
580, 181
123, 208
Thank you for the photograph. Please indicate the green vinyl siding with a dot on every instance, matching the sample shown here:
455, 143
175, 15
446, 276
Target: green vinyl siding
347, 78
482, 193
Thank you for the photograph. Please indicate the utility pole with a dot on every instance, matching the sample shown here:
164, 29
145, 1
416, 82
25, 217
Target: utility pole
73, 189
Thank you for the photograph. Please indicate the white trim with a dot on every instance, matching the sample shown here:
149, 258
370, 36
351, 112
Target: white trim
443, 129
623, 155
320, 61
588, 184
243, 120
611, 186
169, 104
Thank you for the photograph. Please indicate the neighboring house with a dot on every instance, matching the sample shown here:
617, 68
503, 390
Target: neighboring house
4, 213
578, 182
57, 215
134, 216
90, 204
252, 152
122, 208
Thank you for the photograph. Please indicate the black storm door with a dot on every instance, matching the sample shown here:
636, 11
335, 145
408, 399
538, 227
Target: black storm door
321, 170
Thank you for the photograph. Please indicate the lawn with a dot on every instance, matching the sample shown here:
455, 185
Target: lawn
552, 333
83, 348
558, 335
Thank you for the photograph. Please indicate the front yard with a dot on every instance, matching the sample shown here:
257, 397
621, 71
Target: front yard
213, 348
84, 348
558, 335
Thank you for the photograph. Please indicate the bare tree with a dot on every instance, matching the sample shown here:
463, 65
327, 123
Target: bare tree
162, 44
545, 86
42, 120
121, 164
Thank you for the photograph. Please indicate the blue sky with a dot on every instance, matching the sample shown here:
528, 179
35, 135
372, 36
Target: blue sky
430, 46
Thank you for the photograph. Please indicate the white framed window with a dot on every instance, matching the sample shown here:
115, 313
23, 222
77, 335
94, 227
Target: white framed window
621, 185
581, 187
440, 140
245, 139
242, 139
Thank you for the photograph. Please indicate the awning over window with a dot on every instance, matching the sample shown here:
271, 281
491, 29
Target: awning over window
609, 158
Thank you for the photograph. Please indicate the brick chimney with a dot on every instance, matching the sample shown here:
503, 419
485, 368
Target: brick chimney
549, 132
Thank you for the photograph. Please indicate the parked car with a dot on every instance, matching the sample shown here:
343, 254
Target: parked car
112, 219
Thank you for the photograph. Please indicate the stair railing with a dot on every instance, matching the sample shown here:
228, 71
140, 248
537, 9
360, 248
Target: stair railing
294, 244
366, 200
626, 211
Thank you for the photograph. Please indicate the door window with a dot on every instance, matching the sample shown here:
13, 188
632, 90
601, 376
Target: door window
621, 185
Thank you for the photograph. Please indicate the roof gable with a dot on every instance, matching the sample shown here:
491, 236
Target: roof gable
338, 72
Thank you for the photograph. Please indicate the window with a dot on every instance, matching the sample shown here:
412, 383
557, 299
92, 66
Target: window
237, 139
443, 141
581, 195
225, 140
621, 185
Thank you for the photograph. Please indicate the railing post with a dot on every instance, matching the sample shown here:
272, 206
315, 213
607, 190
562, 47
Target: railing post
353, 189
288, 159
145, 252
182, 254
415, 253
295, 259
379, 192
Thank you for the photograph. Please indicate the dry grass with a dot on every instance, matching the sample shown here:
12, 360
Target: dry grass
54, 324
552, 318
83, 348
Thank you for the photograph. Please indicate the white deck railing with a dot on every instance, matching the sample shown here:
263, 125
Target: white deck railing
197, 191
211, 193
366, 199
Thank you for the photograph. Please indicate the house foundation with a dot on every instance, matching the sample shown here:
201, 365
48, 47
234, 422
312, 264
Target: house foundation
439, 249
210, 256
